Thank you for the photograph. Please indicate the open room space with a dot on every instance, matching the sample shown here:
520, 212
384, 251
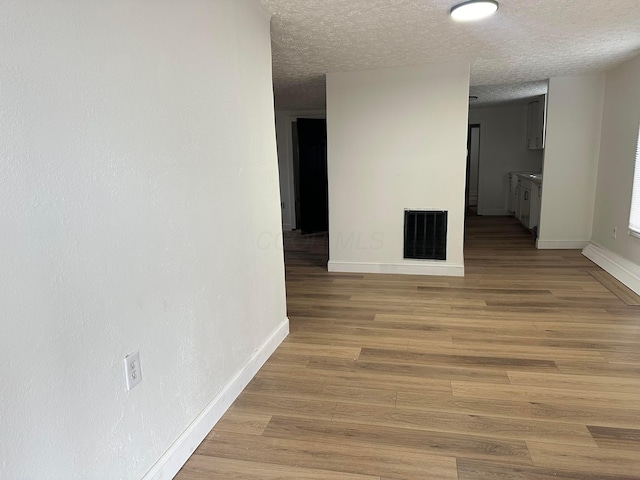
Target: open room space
320, 239
527, 368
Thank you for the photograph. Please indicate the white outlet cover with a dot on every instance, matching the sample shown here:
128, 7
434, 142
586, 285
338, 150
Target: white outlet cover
132, 370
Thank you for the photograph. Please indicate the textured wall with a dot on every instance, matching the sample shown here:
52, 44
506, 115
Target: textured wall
396, 140
574, 123
139, 206
621, 118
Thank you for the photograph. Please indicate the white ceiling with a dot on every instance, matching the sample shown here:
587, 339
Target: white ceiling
525, 42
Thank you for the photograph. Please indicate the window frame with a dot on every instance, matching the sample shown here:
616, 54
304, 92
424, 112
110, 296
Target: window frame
634, 209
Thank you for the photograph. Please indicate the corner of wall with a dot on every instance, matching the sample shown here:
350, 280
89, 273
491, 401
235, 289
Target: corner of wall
622, 269
177, 455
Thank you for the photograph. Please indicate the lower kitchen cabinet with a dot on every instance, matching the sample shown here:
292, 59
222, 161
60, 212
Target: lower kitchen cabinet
528, 199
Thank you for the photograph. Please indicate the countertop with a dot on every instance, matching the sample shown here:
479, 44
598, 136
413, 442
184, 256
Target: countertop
533, 177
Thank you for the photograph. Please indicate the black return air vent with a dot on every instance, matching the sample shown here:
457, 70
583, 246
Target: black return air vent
425, 235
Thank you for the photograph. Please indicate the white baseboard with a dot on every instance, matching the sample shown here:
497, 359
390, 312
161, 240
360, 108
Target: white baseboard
184, 446
286, 227
495, 212
561, 244
409, 268
622, 269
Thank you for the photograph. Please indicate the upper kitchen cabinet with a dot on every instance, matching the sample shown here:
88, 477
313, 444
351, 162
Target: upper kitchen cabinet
535, 124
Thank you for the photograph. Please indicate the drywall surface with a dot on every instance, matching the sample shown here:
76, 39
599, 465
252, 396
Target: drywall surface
503, 149
574, 123
140, 211
396, 140
621, 121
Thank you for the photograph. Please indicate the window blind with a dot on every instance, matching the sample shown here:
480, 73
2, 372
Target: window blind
634, 217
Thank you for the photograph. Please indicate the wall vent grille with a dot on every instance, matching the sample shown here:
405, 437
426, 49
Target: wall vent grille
425, 235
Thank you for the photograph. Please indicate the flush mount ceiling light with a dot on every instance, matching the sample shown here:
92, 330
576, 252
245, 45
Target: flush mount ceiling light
473, 10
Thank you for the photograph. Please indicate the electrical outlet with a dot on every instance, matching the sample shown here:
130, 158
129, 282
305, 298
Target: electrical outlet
615, 232
132, 370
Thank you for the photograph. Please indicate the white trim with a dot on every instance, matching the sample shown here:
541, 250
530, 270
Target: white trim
286, 227
496, 212
634, 211
561, 244
409, 268
177, 455
622, 269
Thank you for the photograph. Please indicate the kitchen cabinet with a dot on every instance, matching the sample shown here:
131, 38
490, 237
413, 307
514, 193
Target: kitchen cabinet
536, 202
535, 124
516, 202
513, 186
528, 199
525, 204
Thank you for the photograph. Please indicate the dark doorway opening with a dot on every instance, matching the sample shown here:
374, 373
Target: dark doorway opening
312, 196
473, 170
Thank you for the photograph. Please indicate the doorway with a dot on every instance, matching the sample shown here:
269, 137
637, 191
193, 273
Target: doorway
310, 174
473, 170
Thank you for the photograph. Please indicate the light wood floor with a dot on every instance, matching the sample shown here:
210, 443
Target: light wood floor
526, 368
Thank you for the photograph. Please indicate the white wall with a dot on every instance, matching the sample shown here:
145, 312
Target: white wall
503, 149
284, 118
396, 140
617, 157
621, 117
139, 196
574, 122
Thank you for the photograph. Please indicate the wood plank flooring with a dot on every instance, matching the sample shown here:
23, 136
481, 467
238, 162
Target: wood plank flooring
623, 292
526, 368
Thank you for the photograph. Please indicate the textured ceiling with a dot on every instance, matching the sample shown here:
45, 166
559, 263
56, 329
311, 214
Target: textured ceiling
489, 95
526, 41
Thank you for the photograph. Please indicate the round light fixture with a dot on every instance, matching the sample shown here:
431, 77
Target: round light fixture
473, 10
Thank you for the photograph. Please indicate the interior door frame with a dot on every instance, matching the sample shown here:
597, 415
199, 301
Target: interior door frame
292, 117
468, 168
312, 175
